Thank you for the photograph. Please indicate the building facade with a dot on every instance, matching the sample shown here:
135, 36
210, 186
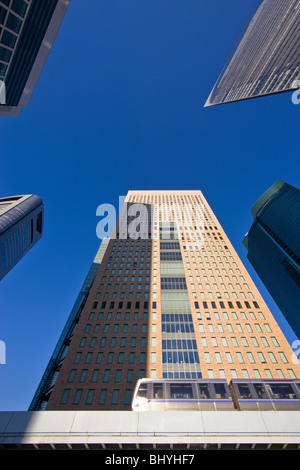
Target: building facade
27, 32
266, 59
273, 244
21, 227
171, 299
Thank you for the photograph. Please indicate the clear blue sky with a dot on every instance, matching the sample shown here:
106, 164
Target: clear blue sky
120, 100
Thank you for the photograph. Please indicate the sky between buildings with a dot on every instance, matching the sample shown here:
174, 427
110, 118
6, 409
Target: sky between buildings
119, 106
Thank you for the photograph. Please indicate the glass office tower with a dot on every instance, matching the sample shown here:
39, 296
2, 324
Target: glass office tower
171, 299
21, 227
27, 32
266, 59
273, 244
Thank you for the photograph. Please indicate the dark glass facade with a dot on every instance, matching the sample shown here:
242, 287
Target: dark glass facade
21, 227
266, 59
273, 244
25, 29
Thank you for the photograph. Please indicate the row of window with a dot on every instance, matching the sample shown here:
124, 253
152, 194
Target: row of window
122, 295
126, 243
222, 375
91, 399
238, 326
230, 305
113, 341
121, 304
219, 357
180, 357
173, 283
116, 286
130, 258
117, 279
119, 375
235, 316
135, 264
244, 341
132, 357
116, 328
120, 315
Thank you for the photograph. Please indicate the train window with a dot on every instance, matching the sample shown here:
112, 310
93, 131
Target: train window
157, 391
181, 392
220, 391
244, 391
261, 391
282, 392
204, 392
142, 391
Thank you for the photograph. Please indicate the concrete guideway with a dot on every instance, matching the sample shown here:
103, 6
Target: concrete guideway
128, 429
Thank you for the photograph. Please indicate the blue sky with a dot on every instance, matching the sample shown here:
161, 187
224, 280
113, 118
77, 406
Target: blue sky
119, 106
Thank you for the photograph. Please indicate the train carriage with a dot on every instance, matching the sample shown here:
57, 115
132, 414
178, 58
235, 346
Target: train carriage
176, 395
266, 395
214, 395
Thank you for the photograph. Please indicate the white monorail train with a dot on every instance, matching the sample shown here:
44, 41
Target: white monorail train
212, 394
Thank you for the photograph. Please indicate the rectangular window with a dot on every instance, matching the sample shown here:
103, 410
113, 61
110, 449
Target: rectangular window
129, 375
118, 375
83, 375
110, 357
90, 396
106, 375
72, 375
95, 375
102, 397
65, 396
77, 397
127, 399
115, 397
77, 358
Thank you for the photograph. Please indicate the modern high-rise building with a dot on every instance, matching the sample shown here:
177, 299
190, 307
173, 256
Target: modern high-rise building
273, 244
21, 227
27, 31
170, 300
266, 59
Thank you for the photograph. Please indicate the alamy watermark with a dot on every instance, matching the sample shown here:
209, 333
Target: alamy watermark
137, 220
296, 94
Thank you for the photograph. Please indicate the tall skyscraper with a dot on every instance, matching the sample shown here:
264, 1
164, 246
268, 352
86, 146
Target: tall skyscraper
21, 227
27, 32
172, 300
266, 59
273, 244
